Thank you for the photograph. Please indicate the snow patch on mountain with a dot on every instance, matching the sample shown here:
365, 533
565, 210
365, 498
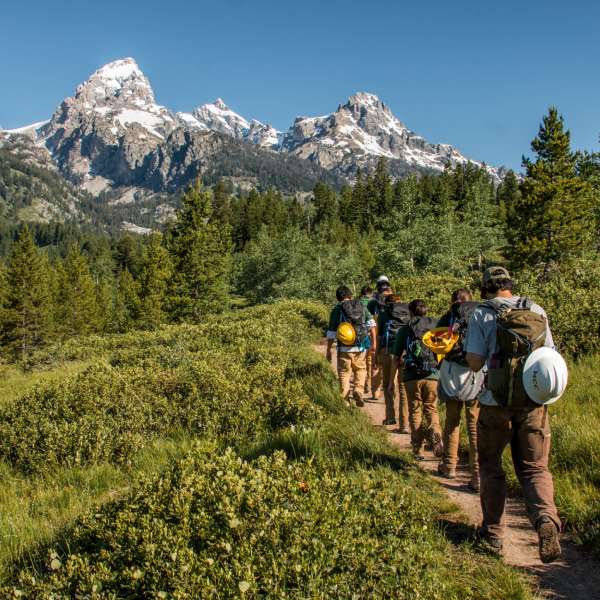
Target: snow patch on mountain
361, 131
217, 116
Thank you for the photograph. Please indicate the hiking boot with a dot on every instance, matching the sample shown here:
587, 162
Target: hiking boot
473, 484
548, 540
359, 402
418, 456
488, 542
389, 421
437, 445
446, 471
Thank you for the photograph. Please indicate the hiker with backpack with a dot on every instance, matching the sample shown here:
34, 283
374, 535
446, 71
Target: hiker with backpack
502, 334
366, 295
394, 316
459, 387
375, 306
420, 377
351, 324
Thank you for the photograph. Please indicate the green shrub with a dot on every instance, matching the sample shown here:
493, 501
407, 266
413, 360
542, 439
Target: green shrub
237, 376
434, 289
219, 527
568, 293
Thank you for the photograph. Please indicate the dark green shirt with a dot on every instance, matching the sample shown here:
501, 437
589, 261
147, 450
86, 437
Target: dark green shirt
399, 349
374, 307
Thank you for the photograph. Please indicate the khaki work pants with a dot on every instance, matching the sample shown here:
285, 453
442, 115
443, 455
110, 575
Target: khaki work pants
349, 364
452, 432
422, 411
527, 430
398, 392
370, 362
376, 374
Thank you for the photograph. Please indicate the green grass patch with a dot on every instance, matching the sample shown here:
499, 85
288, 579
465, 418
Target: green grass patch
218, 461
14, 381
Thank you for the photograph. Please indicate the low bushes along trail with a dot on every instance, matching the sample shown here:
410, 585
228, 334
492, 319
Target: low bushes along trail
576, 576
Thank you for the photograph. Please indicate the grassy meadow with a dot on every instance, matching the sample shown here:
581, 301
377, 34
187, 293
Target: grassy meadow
216, 461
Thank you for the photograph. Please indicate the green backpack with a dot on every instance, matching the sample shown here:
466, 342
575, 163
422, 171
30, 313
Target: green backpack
519, 331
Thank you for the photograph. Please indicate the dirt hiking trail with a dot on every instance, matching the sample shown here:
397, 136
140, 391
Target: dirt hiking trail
575, 576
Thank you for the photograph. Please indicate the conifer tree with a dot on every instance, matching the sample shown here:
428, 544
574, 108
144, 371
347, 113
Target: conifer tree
221, 203
550, 219
29, 307
127, 303
508, 196
153, 280
201, 254
325, 204
76, 307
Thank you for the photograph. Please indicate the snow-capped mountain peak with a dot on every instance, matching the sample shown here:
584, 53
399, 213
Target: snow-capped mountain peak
358, 133
217, 116
122, 79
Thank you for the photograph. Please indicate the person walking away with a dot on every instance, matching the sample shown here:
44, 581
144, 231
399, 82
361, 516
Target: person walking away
375, 306
366, 295
459, 387
395, 316
420, 376
351, 324
501, 332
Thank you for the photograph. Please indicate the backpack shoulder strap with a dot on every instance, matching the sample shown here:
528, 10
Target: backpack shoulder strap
525, 303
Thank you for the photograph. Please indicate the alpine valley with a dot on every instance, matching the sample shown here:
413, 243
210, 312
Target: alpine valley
111, 151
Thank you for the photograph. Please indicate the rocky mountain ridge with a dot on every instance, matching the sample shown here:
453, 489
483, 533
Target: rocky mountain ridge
112, 140
111, 130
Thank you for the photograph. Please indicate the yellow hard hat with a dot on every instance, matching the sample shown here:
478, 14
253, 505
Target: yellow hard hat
346, 334
440, 341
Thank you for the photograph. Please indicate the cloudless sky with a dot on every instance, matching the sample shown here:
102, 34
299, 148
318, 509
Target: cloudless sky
478, 75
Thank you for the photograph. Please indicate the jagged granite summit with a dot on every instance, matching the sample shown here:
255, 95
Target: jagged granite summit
361, 131
112, 134
217, 116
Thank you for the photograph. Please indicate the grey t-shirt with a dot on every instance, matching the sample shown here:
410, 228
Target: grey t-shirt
481, 335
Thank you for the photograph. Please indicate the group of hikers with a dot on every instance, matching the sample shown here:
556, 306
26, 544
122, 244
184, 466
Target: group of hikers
494, 357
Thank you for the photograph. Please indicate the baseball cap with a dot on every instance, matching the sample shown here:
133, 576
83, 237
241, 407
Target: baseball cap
493, 274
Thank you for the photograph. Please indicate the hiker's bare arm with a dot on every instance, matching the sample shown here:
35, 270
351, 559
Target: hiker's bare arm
475, 361
329, 345
373, 336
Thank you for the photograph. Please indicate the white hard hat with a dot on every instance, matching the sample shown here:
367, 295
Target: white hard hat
383, 279
545, 376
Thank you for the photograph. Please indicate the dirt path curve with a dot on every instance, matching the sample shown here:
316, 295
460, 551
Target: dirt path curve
576, 576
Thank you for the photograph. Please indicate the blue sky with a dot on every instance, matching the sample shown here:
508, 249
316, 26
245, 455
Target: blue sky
478, 75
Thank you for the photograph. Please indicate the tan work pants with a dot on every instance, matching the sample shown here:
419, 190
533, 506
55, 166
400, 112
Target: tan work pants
422, 411
452, 432
376, 374
349, 364
527, 430
370, 361
398, 391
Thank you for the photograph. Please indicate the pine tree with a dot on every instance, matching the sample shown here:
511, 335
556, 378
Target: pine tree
153, 280
29, 307
201, 254
221, 204
325, 203
76, 307
383, 185
508, 196
127, 303
550, 220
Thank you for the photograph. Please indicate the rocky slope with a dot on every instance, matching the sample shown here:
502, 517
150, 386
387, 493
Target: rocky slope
217, 116
361, 131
